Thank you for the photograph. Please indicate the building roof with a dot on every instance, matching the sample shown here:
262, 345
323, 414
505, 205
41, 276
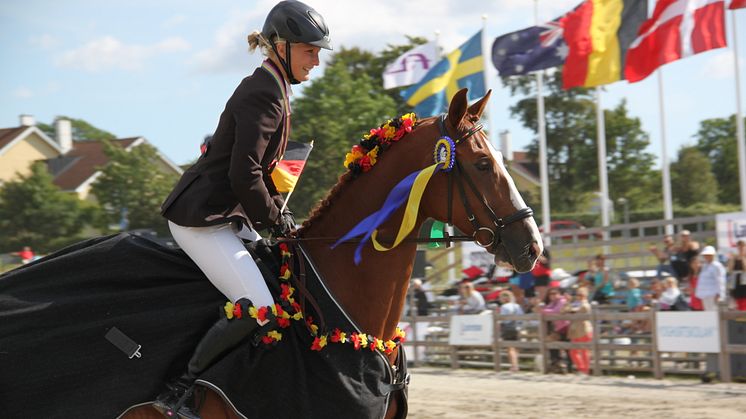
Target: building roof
82, 162
527, 167
9, 134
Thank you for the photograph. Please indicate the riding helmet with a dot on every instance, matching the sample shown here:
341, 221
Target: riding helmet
297, 22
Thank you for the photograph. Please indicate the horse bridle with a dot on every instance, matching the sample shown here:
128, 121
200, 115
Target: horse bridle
459, 175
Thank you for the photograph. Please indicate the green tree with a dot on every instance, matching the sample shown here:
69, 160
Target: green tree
692, 181
35, 212
335, 110
133, 183
82, 130
716, 138
572, 149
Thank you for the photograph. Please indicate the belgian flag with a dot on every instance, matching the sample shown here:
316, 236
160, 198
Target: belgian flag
598, 34
287, 171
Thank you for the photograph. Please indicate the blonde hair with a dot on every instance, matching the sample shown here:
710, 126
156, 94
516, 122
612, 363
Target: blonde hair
509, 294
634, 283
257, 40
673, 281
582, 291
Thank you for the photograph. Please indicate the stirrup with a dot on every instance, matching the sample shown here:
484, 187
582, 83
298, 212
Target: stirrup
179, 408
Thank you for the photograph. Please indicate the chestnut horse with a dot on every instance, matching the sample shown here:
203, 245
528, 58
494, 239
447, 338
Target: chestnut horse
373, 292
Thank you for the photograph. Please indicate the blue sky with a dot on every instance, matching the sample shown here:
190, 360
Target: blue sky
164, 69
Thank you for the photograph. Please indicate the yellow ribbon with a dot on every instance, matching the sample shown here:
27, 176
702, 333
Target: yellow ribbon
410, 213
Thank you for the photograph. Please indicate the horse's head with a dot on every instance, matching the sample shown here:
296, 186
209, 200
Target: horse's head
478, 195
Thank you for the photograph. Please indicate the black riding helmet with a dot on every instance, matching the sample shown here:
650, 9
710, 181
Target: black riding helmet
295, 22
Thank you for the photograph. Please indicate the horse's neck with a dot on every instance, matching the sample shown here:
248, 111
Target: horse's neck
372, 293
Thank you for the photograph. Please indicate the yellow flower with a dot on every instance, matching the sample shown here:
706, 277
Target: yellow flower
373, 155
322, 341
363, 340
274, 334
388, 131
253, 312
228, 310
297, 316
379, 344
314, 329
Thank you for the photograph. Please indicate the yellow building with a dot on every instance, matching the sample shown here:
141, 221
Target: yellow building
73, 164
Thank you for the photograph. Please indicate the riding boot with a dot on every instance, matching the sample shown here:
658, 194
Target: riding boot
224, 335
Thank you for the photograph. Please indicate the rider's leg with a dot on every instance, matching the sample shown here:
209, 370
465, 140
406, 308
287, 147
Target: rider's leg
228, 265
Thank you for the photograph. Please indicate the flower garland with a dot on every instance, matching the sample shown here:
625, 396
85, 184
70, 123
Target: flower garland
288, 309
365, 155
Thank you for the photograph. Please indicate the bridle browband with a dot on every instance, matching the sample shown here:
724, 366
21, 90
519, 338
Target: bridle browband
460, 175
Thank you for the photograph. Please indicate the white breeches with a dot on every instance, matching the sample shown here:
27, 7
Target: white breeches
222, 257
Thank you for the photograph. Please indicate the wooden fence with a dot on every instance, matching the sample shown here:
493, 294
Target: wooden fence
611, 350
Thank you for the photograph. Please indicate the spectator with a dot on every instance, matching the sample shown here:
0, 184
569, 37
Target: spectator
694, 267
541, 273
471, 301
420, 297
664, 256
26, 255
671, 299
634, 295
602, 283
711, 283
736, 268
509, 328
685, 252
710, 289
553, 304
580, 331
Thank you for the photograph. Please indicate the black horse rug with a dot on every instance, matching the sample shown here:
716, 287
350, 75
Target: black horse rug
56, 362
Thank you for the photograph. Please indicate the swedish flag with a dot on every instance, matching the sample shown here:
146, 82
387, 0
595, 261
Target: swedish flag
463, 67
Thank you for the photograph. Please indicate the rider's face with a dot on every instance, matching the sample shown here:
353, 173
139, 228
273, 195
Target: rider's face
303, 57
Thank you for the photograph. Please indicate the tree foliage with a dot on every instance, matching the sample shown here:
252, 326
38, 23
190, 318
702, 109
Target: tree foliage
134, 184
35, 212
335, 110
692, 181
716, 138
572, 148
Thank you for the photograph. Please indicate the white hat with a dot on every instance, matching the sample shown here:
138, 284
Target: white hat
708, 250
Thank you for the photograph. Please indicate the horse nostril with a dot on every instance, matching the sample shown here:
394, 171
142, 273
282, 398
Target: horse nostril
535, 250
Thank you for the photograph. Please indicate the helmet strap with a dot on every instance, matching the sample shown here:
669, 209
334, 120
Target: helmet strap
286, 63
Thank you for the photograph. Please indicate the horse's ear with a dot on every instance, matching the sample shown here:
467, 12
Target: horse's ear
457, 109
478, 107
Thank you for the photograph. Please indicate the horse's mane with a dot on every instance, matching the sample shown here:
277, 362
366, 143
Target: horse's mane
344, 179
325, 203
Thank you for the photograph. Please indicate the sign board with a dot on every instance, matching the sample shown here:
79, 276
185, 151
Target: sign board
422, 331
693, 331
475, 329
731, 227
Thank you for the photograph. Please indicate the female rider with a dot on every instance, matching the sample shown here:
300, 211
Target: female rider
229, 188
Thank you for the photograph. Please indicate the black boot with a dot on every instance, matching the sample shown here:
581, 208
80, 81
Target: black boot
224, 335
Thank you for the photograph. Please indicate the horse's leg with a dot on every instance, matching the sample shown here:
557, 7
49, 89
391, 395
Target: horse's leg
212, 407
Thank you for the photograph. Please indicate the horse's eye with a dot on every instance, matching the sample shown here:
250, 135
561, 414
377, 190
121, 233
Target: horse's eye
484, 164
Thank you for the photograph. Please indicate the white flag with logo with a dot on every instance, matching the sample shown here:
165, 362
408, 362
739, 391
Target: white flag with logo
411, 66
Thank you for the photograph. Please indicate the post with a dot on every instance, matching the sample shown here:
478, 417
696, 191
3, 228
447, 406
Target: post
543, 343
595, 351
739, 118
603, 179
657, 365
724, 355
496, 358
666, 174
546, 218
413, 322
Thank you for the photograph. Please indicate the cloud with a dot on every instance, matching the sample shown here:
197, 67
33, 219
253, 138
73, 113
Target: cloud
23, 92
109, 53
719, 66
175, 20
44, 41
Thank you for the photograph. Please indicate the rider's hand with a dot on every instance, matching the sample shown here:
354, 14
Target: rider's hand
285, 225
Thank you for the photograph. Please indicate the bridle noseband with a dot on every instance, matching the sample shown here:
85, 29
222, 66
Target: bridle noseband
459, 174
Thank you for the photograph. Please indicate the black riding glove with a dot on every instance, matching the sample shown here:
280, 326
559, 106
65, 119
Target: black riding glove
285, 225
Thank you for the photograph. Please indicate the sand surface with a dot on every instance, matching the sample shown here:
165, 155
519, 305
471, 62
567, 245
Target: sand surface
465, 393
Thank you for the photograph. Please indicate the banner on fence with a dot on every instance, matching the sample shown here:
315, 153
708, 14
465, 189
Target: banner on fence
688, 331
474, 329
731, 227
422, 331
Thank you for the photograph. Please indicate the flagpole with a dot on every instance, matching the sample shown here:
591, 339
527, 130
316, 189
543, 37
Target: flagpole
287, 198
492, 132
602, 174
739, 118
546, 218
666, 175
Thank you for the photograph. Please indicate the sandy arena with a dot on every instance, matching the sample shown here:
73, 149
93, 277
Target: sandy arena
464, 393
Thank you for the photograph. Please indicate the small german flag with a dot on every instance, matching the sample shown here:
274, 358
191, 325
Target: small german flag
287, 171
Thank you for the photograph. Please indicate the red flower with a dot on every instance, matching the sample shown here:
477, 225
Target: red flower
285, 294
365, 163
283, 322
373, 343
261, 314
284, 247
318, 343
337, 336
295, 306
355, 338
237, 311
267, 340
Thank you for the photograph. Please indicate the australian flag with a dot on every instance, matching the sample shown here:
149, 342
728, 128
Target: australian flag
530, 49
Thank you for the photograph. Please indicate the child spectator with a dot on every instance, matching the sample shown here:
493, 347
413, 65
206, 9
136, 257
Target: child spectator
580, 330
26, 255
554, 304
671, 298
634, 295
602, 283
509, 328
736, 268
